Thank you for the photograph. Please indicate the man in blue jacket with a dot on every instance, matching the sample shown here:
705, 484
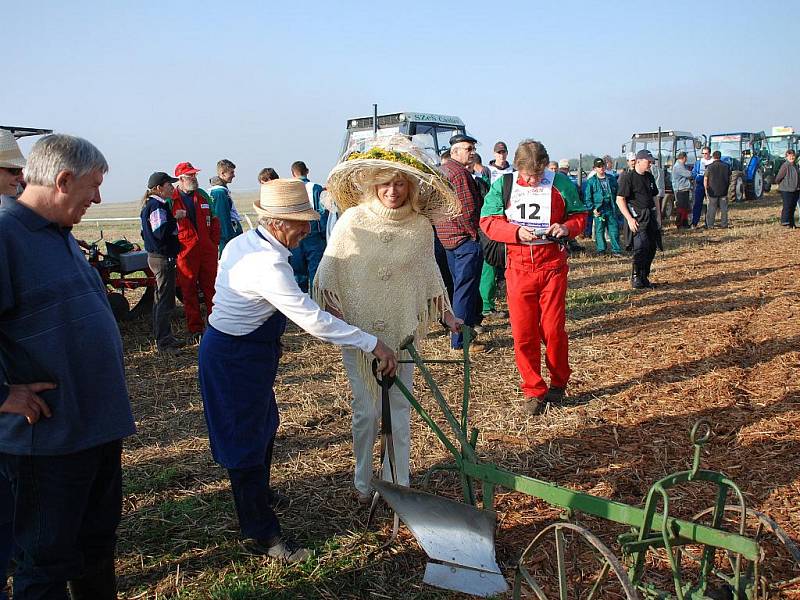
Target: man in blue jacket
64, 406
305, 258
699, 171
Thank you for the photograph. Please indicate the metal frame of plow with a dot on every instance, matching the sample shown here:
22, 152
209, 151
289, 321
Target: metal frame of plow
651, 529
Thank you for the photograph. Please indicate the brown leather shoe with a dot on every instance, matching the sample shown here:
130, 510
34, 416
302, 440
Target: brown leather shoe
533, 405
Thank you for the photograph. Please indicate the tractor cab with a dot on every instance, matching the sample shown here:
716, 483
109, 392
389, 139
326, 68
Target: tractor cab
776, 145
746, 153
665, 145
430, 131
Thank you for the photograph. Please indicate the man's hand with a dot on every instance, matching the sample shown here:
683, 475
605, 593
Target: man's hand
596, 213
387, 361
633, 225
453, 322
180, 214
557, 230
24, 400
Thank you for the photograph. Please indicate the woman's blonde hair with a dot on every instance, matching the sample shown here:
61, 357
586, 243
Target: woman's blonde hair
371, 179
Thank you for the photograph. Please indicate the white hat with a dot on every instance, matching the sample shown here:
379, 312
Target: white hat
563, 163
10, 154
631, 156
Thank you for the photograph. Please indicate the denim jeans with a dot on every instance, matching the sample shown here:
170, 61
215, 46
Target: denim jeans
305, 259
466, 264
66, 512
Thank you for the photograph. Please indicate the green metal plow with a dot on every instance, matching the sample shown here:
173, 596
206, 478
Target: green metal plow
722, 552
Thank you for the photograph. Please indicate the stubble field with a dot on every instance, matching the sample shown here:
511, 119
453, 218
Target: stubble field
718, 339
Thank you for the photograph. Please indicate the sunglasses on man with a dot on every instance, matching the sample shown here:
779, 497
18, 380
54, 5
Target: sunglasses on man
13, 171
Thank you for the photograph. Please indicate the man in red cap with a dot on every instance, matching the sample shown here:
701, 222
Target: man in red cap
199, 235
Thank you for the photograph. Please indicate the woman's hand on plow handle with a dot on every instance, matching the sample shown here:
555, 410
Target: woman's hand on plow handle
453, 322
387, 361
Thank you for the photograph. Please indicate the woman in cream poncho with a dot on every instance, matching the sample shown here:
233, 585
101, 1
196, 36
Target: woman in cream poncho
379, 273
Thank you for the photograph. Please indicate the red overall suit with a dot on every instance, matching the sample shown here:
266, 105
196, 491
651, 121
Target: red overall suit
536, 287
197, 258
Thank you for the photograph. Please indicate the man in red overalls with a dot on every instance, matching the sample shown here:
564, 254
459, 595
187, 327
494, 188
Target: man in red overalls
198, 234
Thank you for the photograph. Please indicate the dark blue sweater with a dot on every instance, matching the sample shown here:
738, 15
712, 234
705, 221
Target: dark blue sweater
159, 228
56, 325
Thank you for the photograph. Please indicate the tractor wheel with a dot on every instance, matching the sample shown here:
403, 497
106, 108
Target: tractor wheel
119, 306
736, 187
755, 190
768, 183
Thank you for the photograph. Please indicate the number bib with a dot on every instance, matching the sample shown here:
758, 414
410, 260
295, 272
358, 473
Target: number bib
530, 207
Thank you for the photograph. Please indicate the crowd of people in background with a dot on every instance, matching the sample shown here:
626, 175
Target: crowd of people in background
391, 245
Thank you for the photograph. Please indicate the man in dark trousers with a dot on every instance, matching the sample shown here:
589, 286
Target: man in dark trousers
716, 180
637, 199
64, 406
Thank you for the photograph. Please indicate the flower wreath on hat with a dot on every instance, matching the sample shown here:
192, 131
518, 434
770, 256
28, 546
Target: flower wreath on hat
349, 181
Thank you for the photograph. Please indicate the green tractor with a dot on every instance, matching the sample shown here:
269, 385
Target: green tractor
776, 147
747, 155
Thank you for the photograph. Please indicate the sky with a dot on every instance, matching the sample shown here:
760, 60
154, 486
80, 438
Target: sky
266, 83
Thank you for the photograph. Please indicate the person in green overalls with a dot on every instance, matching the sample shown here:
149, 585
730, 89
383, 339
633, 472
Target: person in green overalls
601, 191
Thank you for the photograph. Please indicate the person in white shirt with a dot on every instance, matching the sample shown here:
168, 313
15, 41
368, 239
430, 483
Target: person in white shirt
255, 293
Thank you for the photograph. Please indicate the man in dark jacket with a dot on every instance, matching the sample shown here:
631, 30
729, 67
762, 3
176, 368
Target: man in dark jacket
788, 180
637, 200
716, 180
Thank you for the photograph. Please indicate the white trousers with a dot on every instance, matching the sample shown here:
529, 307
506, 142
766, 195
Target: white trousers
366, 422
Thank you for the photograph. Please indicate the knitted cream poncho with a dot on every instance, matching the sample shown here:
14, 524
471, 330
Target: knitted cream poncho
380, 272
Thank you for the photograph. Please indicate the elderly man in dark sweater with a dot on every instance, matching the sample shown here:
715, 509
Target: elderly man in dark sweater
64, 406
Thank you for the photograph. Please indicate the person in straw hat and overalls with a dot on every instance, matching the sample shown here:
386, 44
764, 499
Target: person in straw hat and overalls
379, 273
11, 165
238, 359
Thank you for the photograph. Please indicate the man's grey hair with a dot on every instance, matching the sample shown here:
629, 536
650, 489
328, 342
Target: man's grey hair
58, 152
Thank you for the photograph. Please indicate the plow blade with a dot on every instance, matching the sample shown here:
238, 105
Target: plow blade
458, 538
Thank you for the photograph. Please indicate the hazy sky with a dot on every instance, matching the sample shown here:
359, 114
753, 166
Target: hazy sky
267, 83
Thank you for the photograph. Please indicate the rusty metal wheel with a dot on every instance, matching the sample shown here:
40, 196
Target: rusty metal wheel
566, 561
779, 567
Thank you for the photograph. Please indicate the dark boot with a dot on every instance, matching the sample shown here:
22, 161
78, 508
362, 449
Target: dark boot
99, 583
637, 280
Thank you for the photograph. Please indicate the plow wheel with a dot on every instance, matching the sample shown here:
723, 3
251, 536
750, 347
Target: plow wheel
779, 567
568, 562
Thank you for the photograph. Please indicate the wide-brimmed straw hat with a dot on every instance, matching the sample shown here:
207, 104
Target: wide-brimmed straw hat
10, 154
349, 182
285, 199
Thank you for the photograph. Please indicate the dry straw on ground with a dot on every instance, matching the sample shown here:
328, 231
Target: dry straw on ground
717, 339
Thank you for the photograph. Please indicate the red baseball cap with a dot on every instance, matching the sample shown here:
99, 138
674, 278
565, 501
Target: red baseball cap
185, 168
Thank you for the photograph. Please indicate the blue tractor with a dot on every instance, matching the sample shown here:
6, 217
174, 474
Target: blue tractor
748, 157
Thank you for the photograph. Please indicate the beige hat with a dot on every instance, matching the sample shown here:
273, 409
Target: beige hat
10, 154
285, 199
348, 182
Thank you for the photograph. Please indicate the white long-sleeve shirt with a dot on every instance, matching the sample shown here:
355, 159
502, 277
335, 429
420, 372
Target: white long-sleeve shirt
254, 279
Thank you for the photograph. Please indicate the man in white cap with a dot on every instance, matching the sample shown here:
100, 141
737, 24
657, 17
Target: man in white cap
11, 165
631, 158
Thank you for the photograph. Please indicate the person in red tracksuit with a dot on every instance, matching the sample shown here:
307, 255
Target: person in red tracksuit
199, 235
519, 210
